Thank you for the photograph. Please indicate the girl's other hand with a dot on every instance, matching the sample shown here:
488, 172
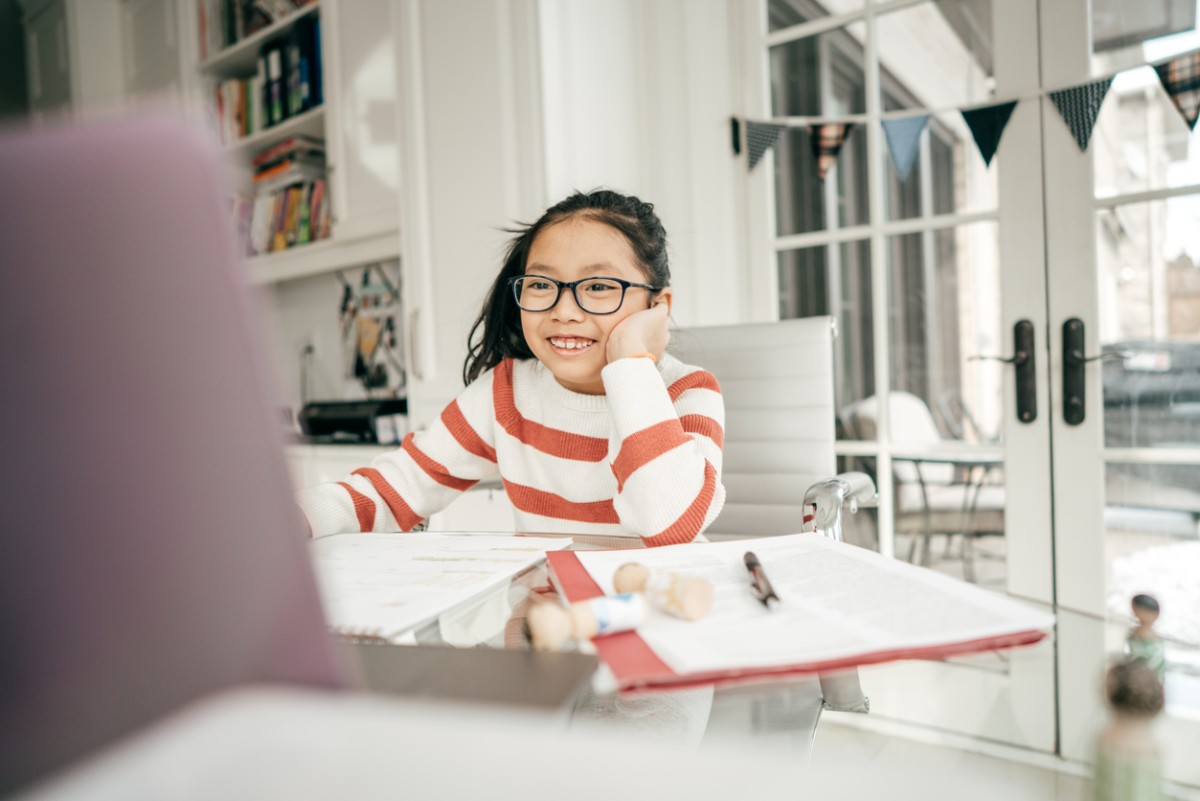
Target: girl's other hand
645, 331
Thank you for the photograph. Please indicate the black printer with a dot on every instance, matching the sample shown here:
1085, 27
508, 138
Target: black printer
348, 421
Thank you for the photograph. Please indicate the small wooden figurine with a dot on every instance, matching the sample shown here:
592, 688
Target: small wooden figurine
688, 597
1143, 642
1128, 760
551, 625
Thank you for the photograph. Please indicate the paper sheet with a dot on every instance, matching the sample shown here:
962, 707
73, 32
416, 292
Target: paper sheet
837, 601
391, 583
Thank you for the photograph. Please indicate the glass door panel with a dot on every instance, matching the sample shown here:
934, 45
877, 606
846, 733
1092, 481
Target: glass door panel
947, 407
909, 265
835, 280
1125, 270
804, 203
1148, 276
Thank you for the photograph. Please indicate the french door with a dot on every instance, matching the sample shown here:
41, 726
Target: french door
953, 280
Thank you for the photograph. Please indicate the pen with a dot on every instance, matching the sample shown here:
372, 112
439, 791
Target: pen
758, 577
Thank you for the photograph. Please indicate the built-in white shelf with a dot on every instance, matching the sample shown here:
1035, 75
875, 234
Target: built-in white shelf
311, 123
320, 257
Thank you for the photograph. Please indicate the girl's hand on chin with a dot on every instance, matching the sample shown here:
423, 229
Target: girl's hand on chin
642, 332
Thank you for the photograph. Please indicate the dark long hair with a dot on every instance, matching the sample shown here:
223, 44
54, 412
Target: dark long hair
499, 322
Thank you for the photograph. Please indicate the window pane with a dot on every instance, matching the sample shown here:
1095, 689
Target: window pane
936, 54
1129, 33
942, 288
1140, 140
1151, 547
835, 280
947, 177
804, 202
786, 13
819, 75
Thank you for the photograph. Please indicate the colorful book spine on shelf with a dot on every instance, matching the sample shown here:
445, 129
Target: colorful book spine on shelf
292, 146
287, 217
224, 23
301, 66
238, 108
275, 106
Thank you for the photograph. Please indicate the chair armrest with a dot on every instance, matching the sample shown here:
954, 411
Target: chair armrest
828, 497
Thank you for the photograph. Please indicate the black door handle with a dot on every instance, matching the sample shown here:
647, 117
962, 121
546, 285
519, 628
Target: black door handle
1074, 362
1026, 370
1074, 379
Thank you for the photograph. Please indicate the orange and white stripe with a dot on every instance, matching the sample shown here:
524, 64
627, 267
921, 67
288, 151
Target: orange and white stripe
644, 459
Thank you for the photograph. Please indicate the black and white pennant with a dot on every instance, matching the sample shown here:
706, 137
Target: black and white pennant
1080, 107
761, 137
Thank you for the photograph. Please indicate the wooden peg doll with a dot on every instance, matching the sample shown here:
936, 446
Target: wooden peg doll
1128, 759
1143, 641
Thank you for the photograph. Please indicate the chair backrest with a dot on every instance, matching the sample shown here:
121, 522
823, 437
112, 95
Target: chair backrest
777, 383
152, 550
912, 426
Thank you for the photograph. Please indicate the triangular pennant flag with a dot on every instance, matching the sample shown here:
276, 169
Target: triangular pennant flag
827, 139
904, 140
761, 137
1181, 78
987, 124
1080, 106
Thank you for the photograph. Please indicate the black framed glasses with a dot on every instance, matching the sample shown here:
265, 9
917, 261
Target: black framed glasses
599, 295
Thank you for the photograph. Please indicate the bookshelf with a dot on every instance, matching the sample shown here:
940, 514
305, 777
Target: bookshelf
364, 217
240, 57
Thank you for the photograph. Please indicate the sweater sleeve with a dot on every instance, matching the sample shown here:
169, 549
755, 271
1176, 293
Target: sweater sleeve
668, 463
428, 471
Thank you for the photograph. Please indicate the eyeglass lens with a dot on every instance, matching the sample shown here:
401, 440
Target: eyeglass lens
597, 295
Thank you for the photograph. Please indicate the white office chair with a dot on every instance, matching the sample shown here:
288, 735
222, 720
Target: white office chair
777, 383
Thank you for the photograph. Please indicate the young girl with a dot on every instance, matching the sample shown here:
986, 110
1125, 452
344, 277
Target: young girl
571, 399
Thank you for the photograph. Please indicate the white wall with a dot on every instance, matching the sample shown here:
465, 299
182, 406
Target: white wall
637, 96
523, 102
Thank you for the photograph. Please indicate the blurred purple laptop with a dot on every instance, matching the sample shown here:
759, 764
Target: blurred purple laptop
151, 550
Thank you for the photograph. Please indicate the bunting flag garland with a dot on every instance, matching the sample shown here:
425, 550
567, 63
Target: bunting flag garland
827, 140
1080, 107
904, 140
987, 125
761, 137
1180, 77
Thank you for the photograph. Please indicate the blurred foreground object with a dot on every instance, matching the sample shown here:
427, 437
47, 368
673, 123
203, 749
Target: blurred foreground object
1128, 760
152, 552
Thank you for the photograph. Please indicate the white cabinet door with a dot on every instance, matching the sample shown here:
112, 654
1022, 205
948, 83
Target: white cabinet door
362, 120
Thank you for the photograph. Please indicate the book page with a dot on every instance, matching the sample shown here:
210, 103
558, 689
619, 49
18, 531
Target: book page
837, 601
392, 583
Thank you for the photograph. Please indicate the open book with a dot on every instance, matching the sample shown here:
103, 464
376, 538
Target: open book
840, 606
382, 586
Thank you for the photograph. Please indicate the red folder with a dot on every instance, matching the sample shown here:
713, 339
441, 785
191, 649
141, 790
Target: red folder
636, 667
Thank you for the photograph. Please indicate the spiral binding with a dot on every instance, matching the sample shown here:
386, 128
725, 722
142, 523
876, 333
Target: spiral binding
358, 635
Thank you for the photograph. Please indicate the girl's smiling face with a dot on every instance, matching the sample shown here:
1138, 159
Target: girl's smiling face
568, 340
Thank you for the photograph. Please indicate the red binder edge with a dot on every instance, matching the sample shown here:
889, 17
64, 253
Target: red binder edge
636, 666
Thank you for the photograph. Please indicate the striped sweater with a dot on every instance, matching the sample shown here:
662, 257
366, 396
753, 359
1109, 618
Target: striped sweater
643, 459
